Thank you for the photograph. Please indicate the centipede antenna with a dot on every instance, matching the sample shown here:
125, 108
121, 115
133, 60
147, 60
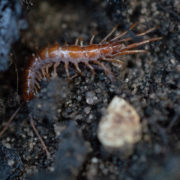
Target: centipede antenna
10, 120
38, 135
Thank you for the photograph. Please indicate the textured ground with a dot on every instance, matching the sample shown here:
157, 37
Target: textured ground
67, 113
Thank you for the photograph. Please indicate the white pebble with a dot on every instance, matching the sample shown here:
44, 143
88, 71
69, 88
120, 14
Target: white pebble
120, 128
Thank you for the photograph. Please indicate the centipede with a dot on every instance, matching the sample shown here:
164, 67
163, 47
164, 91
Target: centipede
107, 50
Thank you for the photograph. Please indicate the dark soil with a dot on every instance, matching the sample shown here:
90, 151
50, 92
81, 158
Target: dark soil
150, 83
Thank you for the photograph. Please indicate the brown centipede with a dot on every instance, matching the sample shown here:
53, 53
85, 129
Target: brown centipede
93, 53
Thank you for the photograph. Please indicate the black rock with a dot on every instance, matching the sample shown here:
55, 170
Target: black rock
11, 22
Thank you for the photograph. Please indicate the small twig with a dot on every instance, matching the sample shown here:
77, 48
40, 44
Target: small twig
38, 135
10, 120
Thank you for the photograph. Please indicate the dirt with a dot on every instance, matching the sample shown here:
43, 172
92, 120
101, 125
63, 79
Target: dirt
150, 83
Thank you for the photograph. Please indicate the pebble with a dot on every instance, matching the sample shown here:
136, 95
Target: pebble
94, 160
120, 128
91, 98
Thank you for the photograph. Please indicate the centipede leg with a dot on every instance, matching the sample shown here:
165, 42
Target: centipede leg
39, 76
91, 68
125, 32
55, 67
81, 43
38, 135
76, 41
109, 34
92, 39
35, 90
106, 70
77, 68
134, 45
47, 70
66, 66
43, 72
79, 39
115, 61
37, 84
138, 35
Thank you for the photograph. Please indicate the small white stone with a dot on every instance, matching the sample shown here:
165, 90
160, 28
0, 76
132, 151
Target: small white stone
94, 160
120, 128
11, 162
91, 98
